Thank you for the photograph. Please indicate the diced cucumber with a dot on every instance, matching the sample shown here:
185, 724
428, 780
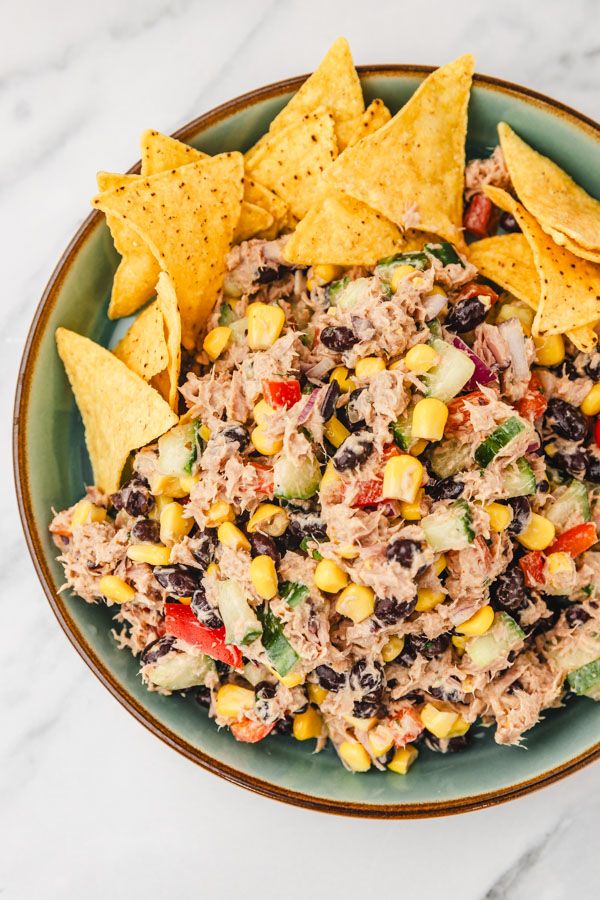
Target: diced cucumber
241, 623
293, 592
178, 449
435, 327
402, 432
239, 330
353, 292
518, 479
296, 482
304, 546
498, 440
177, 671
333, 290
416, 259
575, 655
445, 252
282, 655
585, 681
450, 375
450, 457
450, 528
226, 314
496, 643
255, 672
574, 499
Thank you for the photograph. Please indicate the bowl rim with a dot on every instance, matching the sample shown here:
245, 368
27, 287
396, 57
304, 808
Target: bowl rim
85, 650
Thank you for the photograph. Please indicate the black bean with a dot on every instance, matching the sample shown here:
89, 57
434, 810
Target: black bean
543, 486
592, 366
445, 488
134, 497
237, 434
179, 580
338, 338
592, 468
408, 654
574, 462
304, 525
430, 647
449, 695
521, 514
366, 677
203, 696
565, 419
157, 648
146, 531
349, 415
284, 725
576, 615
367, 707
355, 450
466, 315
388, 757
403, 551
566, 369
389, 610
508, 223
508, 592
447, 745
413, 696
264, 693
329, 679
221, 667
268, 274
264, 545
204, 611
203, 548
328, 403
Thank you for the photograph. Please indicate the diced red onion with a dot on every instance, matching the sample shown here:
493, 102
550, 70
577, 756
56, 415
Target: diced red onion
433, 304
512, 333
307, 409
319, 370
482, 374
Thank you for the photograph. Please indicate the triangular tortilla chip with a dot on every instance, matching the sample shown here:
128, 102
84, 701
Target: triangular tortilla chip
549, 194
167, 382
143, 348
341, 230
187, 217
412, 169
120, 411
293, 159
563, 241
259, 195
374, 117
507, 259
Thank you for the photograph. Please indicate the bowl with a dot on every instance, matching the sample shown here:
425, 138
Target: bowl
51, 467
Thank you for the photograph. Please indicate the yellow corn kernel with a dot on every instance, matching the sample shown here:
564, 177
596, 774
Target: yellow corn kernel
153, 554
187, 482
326, 273
292, 679
173, 524
591, 404
116, 589
479, 623
393, 648
418, 447
263, 576
268, 519
403, 759
264, 325
213, 569
218, 512
308, 724
421, 358
316, 693
402, 478
204, 432
354, 755
85, 512
516, 310
216, 340
357, 602
381, 740
438, 721
460, 727
549, 350
261, 412
369, 366
331, 478
459, 642
347, 551
429, 419
500, 516
335, 432
559, 563
440, 564
538, 534
230, 535
329, 577
232, 700
187, 601
340, 374
166, 484
362, 725
264, 443
159, 504
399, 274
412, 511
428, 599
396, 364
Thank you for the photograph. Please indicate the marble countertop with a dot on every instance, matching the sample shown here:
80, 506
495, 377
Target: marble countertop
91, 805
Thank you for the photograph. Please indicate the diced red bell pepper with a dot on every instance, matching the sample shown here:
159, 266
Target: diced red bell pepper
597, 432
532, 565
533, 404
369, 493
479, 215
281, 393
458, 415
249, 732
576, 540
181, 622
478, 290
264, 479
406, 726
391, 450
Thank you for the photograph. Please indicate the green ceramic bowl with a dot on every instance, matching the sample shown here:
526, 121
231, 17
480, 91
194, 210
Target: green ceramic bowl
51, 466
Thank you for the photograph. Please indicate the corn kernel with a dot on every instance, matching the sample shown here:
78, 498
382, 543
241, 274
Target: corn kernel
421, 358
231, 536
500, 516
166, 484
316, 693
479, 623
354, 755
399, 274
396, 364
412, 511
218, 512
460, 727
261, 412
439, 565
559, 563
335, 432
264, 443
369, 366
213, 569
362, 725
264, 325
233, 700
153, 554
428, 599
549, 350
538, 534
187, 482
326, 273
159, 504
329, 577
85, 512
403, 759
331, 478
308, 724
216, 340
292, 679
402, 478
591, 404
357, 602
381, 740
173, 524
268, 519
187, 601
263, 576
418, 447
340, 374
347, 551
516, 310
116, 589
392, 648
429, 419
459, 642
438, 721
204, 432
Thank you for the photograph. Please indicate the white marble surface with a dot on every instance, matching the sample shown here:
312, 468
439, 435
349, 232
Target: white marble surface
91, 805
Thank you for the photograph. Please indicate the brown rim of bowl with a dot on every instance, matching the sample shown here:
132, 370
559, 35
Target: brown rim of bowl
46, 304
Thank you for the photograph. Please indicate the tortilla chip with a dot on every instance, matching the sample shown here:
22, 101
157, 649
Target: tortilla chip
374, 117
563, 241
259, 195
143, 349
187, 217
292, 160
549, 194
167, 381
253, 220
120, 411
507, 259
